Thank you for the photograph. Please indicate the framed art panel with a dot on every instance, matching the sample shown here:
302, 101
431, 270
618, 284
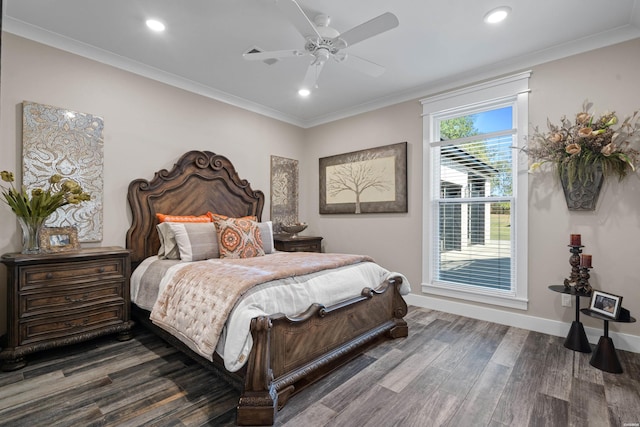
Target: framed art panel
284, 192
59, 239
69, 143
366, 181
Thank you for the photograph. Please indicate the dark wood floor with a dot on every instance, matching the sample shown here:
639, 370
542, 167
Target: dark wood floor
451, 371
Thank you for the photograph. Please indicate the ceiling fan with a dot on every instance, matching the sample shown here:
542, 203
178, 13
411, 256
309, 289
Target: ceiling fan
323, 42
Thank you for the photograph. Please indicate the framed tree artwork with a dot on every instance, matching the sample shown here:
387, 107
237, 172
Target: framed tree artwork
366, 181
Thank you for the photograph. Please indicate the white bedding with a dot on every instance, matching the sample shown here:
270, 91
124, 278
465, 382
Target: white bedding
289, 296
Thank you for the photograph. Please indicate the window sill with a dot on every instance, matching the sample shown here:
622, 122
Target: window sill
494, 298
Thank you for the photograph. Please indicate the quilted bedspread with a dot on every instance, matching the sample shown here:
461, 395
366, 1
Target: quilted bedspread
195, 303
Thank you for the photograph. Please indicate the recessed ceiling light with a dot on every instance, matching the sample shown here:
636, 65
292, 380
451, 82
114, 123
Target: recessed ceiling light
304, 92
155, 25
497, 15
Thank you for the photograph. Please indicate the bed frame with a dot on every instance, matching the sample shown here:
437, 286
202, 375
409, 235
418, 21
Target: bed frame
288, 353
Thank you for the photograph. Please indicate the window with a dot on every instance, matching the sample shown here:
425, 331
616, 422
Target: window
475, 193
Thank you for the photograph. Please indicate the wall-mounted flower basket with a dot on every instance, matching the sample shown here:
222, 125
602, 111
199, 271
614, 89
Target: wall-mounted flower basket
575, 148
582, 196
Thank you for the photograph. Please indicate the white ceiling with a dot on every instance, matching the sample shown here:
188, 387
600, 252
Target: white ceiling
437, 44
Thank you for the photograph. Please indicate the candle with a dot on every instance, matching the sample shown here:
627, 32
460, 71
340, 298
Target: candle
585, 261
576, 240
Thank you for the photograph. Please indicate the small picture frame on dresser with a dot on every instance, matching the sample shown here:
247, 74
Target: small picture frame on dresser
59, 239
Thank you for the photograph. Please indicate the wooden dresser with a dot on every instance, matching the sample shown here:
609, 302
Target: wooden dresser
288, 243
64, 298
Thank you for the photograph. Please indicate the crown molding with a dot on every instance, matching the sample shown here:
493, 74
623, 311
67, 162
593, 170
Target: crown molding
607, 38
513, 65
40, 35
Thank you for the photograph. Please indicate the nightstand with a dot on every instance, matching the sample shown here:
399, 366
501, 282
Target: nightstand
576, 338
64, 298
288, 243
604, 356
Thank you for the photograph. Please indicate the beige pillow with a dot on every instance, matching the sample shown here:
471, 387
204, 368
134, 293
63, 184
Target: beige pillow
168, 245
196, 241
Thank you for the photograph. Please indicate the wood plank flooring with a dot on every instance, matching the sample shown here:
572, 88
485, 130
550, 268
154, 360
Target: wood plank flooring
450, 371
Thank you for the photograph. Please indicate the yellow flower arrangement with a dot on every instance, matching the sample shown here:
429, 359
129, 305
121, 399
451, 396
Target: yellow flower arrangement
41, 203
577, 148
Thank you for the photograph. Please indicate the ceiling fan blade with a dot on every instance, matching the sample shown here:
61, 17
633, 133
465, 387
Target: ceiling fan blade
363, 65
375, 26
298, 18
276, 54
311, 77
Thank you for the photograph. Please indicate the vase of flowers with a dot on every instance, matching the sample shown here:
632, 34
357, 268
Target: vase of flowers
31, 228
34, 207
585, 151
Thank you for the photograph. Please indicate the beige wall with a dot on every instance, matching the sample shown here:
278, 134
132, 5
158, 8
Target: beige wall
608, 77
148, 125
393, 240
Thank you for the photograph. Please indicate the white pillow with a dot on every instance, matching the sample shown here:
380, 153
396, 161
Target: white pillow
266, 233
168, 245
196, 240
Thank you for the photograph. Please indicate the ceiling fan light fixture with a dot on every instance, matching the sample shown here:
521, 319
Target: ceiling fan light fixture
496, 15
155, 25
304, 92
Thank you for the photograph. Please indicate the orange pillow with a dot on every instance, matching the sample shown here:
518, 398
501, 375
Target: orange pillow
183, 218
217, 217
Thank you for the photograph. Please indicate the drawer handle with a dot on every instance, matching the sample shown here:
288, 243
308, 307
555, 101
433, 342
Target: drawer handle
76, 324
83, 298
101, 270
49, 276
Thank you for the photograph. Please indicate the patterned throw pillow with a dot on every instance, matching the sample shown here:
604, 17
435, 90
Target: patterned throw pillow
239, 238
266, 230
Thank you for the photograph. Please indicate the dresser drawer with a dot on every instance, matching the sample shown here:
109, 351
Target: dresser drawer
36, 302
72, 272
297, 244
70, 323
305, 247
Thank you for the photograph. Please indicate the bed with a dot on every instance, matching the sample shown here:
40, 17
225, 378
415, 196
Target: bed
288, 353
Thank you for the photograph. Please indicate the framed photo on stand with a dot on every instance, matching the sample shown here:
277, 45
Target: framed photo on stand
59, 239
605, 304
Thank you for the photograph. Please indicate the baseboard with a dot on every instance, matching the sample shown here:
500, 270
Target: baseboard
538, 324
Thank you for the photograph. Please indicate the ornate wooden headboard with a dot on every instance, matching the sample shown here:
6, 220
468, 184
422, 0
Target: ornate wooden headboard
200, 181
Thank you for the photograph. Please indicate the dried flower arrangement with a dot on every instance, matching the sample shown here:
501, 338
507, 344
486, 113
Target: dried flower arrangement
576, 148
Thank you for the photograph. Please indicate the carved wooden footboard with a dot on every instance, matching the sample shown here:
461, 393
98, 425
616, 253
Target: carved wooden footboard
288, 353
291, 353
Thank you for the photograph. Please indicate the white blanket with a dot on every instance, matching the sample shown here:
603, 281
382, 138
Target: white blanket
289, 296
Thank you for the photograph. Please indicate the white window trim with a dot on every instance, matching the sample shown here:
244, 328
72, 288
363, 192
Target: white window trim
512, 86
